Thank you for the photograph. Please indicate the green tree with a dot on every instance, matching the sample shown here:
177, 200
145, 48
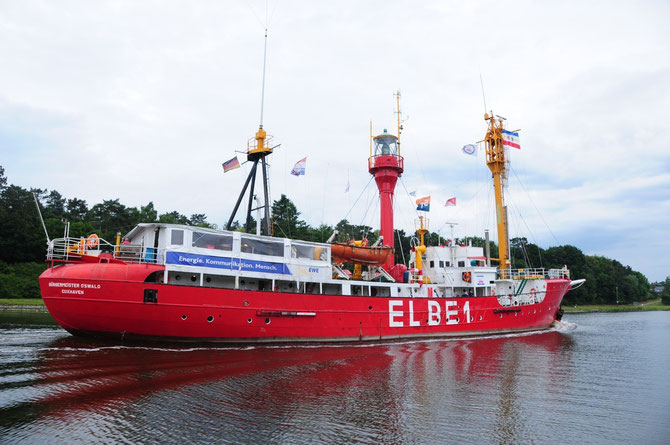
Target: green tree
76, 209
200, 220
111, 217
285, 219
22, 236
173, 217
665, 294
55, 205
3, 179
148, 213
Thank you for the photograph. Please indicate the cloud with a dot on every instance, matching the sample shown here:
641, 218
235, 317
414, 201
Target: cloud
133, 101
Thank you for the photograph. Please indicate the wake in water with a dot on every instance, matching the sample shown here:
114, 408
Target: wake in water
563, 326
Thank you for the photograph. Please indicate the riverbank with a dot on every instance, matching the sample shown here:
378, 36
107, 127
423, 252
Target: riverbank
653, 305
22, 304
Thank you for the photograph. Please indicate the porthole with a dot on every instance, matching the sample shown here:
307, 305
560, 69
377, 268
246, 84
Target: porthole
472, 319
248, 320
193, 278
500, 315
210, 319
208, 279
177, 277
480, 318
369, 307
516, 313
534, 311
246, 303
458, 319
267, 320
183, 317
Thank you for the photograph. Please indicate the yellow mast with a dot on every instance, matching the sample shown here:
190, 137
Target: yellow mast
495, 159
400, 127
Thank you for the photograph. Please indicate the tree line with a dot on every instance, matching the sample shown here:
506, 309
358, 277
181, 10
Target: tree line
23, 242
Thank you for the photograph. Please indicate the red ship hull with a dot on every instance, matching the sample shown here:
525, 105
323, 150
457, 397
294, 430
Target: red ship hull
109, 300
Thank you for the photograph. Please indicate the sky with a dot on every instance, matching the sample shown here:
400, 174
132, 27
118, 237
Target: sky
143, 101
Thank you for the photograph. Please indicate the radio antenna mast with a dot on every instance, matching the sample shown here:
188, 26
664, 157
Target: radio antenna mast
265, 56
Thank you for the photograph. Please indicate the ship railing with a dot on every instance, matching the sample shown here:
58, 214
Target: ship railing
374, 161
71, 249
533, 273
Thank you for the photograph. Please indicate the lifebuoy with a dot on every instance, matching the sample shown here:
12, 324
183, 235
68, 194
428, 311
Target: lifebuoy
533, 295
466, 277
93, 240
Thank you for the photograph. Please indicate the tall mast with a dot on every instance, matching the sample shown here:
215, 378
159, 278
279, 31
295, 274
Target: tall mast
258, 148
496, 161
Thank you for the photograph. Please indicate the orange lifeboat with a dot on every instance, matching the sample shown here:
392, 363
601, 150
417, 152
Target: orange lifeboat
350, 253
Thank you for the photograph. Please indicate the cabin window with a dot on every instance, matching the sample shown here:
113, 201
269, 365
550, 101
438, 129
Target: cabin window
448, 263
212, 241
432, 264
461, 264
309, 252
441, 263
262, 247
177, 238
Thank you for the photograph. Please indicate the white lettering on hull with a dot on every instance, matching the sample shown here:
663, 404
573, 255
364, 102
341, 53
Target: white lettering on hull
412, 321
393, 314
434, 313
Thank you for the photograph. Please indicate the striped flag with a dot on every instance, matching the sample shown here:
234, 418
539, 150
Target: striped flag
299, 167
423, 204
450, 202
231, 165
511, 138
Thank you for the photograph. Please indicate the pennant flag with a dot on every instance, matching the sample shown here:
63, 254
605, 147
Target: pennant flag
231, 165
450, 202
470, 149
346, 190
423, 204
412, 193
511, 139
299, 167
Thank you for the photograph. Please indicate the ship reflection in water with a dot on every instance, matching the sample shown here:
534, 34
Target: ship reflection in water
601, 383
73, 389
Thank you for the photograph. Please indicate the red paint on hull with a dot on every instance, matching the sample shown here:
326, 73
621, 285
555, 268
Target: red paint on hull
108, 300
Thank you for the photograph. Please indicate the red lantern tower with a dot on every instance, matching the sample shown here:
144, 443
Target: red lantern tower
386, 165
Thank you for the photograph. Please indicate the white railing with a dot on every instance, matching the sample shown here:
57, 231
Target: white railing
68, 249
534, 273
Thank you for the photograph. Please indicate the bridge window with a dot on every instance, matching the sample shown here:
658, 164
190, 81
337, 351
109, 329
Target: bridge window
177, 238
212, 241
309, 252
262, 247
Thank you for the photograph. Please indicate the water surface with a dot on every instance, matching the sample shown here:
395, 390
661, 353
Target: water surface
604, 382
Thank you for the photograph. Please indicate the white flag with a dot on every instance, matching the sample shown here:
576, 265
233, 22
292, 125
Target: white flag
470, 149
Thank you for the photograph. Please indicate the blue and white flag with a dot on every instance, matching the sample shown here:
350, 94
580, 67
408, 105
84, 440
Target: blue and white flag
412, 193
299, 167
470, 149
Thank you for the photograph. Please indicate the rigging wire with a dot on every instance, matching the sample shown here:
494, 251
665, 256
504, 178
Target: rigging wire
533, 202
359, 197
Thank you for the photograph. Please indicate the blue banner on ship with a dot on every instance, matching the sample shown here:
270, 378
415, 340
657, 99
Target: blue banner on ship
217, 262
